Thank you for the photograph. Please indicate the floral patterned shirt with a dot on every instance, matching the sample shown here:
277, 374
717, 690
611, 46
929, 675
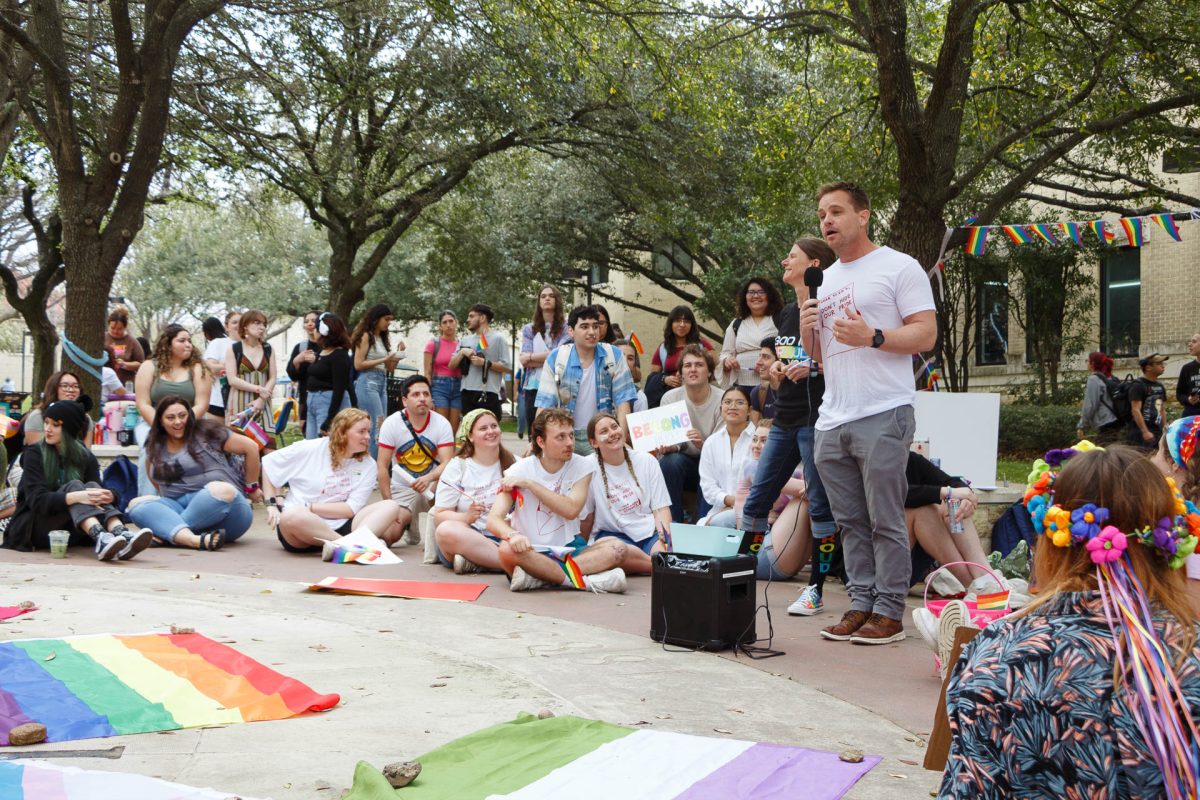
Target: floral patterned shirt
1033, 713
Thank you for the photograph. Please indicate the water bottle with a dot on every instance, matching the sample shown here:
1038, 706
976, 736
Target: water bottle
131, 417
952, 504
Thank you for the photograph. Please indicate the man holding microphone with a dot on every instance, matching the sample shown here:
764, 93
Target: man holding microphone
873, 312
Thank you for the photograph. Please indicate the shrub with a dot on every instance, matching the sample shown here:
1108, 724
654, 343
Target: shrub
1029, 430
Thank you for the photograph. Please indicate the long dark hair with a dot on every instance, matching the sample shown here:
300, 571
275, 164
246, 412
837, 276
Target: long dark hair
197, 434
539, 324
213, 329
678, 313
366, 326
162, 352
774, 298
335, 335
611, 336
50, 392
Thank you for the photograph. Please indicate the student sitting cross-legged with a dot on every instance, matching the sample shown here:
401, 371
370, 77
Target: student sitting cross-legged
627, 492
541, 545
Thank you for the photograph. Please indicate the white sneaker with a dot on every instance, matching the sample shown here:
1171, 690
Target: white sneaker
463, 566
927, 625
954, 616
808, 603
522, 581
611, 580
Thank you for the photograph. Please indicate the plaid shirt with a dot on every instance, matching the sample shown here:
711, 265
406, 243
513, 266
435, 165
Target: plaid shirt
614, 384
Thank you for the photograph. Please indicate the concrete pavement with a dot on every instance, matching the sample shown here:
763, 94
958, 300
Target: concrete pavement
386, 658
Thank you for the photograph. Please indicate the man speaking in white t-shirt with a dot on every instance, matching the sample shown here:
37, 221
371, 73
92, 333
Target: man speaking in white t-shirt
874, 310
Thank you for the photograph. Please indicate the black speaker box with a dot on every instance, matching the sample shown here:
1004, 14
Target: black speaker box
701, 601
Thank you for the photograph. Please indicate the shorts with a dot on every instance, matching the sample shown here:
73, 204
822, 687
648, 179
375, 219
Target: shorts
447, 392
765, 569
343, 530
406, 497
644, 545
445, 562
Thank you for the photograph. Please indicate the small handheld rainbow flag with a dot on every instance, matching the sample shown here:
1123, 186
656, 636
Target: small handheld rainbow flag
1018, 234
342, 554
574, 573
637, 344
1133, 231
992, 601
483, 342
1168, 224
518, 498
976, 241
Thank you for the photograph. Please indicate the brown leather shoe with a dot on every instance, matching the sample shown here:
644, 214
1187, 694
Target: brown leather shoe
879, 630
851, 621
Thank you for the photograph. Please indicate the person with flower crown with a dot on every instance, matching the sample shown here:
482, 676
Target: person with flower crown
1178, 456
1093, 690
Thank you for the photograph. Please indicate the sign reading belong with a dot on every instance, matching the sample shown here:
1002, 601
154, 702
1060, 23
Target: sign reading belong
660, 426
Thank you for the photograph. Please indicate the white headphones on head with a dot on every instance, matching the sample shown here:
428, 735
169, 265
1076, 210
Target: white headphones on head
322, 328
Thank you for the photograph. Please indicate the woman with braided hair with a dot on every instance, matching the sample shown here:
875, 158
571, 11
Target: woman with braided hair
628, 496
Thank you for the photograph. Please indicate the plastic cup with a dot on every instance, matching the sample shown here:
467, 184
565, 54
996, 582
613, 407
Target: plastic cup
58, 543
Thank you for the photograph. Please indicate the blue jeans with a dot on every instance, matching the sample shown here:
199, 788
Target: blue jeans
785, 448
371, 390
318, 410
681, 473
140, 432
199, 511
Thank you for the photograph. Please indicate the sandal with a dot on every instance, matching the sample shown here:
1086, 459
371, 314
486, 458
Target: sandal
213, 540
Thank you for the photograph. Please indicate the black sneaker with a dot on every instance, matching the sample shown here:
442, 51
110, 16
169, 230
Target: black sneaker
136, 540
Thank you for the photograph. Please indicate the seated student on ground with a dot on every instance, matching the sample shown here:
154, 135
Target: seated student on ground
681, 462
416, 443
202, 500
329, 482
60, 490
1093, 690
541, 545
724, 452
466, 491
627, 495
926, 512
62, 385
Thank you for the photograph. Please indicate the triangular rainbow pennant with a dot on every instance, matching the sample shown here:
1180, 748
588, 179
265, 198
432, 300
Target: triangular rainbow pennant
1100, 228
1168, 224
637, 344
483, 342
976, 241
1017, 233
1071, 229
1133, 231
1044, 232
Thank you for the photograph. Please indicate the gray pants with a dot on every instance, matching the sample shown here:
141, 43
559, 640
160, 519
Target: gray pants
862, 466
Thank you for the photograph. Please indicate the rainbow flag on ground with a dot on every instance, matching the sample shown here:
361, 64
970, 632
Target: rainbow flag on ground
532, 759
41, 780
90, 686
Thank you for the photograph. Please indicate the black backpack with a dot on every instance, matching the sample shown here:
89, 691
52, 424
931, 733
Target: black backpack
1118, 398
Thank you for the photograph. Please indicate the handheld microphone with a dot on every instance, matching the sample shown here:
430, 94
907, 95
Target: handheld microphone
813, 277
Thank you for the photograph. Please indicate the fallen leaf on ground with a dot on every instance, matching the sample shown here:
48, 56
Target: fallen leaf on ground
320, 648
49, 657
722, 730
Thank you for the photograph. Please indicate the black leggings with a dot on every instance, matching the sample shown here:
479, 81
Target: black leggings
72, 518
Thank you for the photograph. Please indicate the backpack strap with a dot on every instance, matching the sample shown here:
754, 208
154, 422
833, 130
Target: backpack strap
737, 324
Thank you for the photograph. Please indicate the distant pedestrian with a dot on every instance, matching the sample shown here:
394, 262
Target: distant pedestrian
488, 354
1098, 420
1147, 401
1188, 389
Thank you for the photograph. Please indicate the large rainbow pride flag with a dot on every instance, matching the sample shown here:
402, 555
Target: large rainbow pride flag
90, 686
548, 759
41, 780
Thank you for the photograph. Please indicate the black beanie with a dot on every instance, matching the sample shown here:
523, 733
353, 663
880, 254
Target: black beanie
72, 416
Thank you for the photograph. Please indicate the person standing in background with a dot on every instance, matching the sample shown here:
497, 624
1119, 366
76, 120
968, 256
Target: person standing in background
488, 352
1187, 391
547, 331
125, 355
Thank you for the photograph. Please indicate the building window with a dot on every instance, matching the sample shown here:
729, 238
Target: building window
991, 326
1181, 160
1121, 301
599, 274
672, 261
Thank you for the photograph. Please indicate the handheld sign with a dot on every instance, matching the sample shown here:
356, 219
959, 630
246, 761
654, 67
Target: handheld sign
658, 427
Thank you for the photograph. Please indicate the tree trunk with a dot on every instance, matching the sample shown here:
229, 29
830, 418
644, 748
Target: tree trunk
89, 281
917, 230
345, 288
45, 339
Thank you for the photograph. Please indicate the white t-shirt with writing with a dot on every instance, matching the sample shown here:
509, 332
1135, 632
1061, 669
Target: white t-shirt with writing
884, 286
465, 481
305, 467
537, 522
629, 506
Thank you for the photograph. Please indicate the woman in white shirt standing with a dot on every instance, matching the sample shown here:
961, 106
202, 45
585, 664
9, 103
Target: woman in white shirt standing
466, 491
724, 451
758, 302
628, 496
329, 482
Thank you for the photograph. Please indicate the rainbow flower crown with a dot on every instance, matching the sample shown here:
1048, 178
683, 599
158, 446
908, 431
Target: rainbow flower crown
1175, 538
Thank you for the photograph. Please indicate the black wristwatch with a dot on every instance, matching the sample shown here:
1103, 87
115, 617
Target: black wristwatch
877, 339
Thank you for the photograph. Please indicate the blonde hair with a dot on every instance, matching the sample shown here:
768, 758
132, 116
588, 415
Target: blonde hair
339, 434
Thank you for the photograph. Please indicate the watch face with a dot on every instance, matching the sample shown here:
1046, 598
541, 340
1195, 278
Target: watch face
877, 340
